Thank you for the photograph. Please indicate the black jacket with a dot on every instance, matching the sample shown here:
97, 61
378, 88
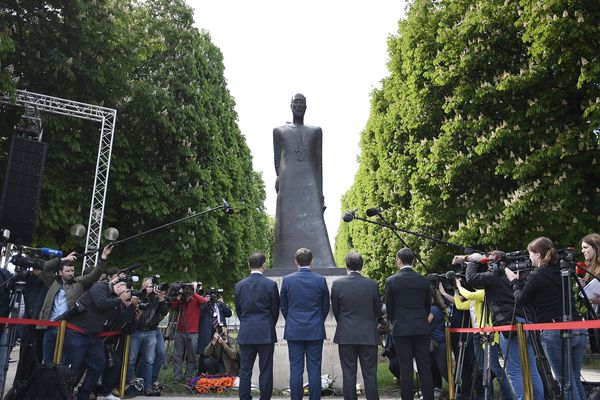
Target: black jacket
498, 294
153, 312
99, 307
542, 291
408, 303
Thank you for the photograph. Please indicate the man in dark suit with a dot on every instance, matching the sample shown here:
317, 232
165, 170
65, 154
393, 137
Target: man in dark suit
257, 306
408, 302
304, 305
356, 306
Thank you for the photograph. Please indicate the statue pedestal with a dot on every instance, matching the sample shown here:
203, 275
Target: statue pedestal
330, 361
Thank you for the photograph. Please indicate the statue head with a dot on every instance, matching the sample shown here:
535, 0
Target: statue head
298, 105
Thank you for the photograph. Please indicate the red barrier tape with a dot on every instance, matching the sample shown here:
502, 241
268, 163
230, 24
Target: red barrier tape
42, 322
552, 326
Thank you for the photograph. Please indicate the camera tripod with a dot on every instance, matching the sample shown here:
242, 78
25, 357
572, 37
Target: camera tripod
9, 333
566, 373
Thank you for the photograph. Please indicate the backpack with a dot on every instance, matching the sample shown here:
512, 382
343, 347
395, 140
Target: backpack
49, 382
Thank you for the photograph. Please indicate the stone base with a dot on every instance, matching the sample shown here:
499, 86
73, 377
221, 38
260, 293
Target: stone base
330, 360
280, 272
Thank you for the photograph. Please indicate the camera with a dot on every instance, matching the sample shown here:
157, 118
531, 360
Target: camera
447, 279
516, 261
214, 295
24, 263
177, 288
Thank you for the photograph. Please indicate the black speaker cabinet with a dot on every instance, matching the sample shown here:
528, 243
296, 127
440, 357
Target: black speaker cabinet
22, 188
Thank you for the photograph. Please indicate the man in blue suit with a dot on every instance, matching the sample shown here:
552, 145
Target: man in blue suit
304, 305
257, 306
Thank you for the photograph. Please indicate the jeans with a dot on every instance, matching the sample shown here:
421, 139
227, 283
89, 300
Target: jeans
160, 355
510, 351
439, 367
144, 344
552, 344
49, 343
84, 353
495, 368
184, 349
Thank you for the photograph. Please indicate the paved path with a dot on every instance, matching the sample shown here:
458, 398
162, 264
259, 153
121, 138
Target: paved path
588, 374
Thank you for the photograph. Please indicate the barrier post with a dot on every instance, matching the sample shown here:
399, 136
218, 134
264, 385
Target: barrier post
525, 369
449, 363
124, 362
60, 341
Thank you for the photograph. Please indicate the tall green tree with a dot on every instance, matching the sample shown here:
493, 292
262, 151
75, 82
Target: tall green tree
485, 134
177, 147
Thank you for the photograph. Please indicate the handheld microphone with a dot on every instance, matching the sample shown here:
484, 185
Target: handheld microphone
371, 212
349, 216
45, 251
228, 209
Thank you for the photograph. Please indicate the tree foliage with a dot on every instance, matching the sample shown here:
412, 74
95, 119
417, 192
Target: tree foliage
485, 133
177, 147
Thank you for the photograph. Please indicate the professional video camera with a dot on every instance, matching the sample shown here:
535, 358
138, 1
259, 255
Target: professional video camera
447, 279
177, 288
214, 295
516, 261
24, 263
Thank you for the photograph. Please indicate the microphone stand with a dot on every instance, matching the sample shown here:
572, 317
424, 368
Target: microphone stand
395, 228
225, 206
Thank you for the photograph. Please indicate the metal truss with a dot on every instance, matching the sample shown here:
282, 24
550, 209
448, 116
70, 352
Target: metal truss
107, 118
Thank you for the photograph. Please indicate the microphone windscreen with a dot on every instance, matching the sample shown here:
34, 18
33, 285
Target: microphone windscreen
348, 216
372, 212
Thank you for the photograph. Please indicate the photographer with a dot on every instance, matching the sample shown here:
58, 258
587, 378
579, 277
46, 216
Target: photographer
543, 292
213, 313
93, 313
188, 303
153, 307
63, 289
222, 354
502, 305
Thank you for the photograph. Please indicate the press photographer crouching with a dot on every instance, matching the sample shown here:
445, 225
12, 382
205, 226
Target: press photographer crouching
93, 313
544, 293
501, 302
187, 302
153, 307
213, 313
222, 354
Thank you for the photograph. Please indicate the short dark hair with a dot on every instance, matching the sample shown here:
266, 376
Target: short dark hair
354, 261
405, 255
303, 257
256, 260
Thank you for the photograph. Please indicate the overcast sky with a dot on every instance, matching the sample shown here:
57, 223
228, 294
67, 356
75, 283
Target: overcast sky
332, 51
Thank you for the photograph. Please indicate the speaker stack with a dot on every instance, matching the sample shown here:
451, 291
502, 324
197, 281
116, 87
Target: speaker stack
22, 188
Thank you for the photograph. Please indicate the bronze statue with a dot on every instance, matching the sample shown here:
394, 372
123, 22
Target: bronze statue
299, 218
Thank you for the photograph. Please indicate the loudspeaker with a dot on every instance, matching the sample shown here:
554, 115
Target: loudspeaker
22, 187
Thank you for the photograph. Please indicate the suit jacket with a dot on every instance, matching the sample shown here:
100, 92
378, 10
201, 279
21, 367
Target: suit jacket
408, 302
304, 305
356, 305
256, 301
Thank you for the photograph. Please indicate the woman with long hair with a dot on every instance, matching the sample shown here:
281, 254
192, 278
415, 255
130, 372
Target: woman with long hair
590, 248
542, 291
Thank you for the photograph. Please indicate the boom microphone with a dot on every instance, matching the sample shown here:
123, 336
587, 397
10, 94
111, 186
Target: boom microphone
349, 216
371, 212
45, 251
